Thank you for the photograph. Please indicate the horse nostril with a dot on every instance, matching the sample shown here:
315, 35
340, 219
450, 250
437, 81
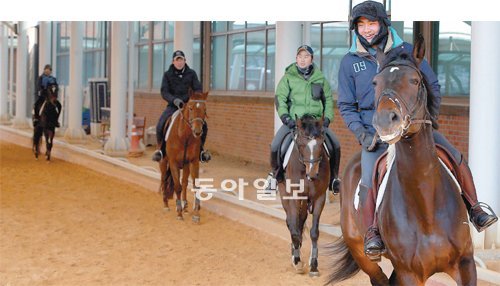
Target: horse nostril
393, 116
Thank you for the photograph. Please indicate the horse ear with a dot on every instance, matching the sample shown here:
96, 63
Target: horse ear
419, 49
298, 122
380, 57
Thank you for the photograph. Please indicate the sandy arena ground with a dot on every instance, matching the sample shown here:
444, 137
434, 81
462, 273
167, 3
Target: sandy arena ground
62, 224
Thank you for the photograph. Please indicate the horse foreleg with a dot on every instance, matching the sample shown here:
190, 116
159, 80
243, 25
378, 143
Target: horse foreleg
164, 184
404, 277
195, 167
177, 188
185, 177
319, 203
294, 226
49, 137
467, 271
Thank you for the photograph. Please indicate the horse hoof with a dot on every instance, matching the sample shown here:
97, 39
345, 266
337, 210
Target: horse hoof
166, 209
299, 267
180, 218
314, 274
186, 210
196, 219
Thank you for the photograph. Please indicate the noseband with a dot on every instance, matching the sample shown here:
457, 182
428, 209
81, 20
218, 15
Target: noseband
410, 118
301, 158
190, 122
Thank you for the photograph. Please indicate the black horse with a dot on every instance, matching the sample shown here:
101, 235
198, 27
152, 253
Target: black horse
46, 125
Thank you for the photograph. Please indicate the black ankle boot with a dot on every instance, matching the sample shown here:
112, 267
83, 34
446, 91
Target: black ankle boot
480, 219
374, 246
157, 156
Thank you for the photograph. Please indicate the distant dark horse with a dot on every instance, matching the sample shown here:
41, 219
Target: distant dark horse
308, 167
183, 144
422, 218
49, 113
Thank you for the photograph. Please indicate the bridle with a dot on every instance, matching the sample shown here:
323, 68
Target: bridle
189, 121
410, 118
301, 158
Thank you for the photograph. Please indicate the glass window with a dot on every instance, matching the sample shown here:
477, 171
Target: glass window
143, 81
236, 54
143, 31
219, 26
158, 31
236, 25
271, 47
404, 30
453, 57
196, 61
255, 65
158, 64
335, 45
218, 63
242, 58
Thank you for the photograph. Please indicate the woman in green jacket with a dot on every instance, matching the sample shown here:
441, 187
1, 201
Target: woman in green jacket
304, 90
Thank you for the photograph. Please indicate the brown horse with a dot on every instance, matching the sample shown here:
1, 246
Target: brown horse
309, 169
422, 219
183, 144
49, 113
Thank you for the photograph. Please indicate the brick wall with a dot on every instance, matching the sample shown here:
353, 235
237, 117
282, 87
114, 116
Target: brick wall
243, 126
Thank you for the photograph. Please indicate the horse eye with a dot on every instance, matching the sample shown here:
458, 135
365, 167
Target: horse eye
374, 83
414, 81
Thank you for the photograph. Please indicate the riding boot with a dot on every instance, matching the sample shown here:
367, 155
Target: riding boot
373, 245
160, 152
276, 175
479, 218
205, 155
334, 184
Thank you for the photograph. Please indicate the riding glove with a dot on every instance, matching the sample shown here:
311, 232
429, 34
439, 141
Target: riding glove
179, 103
288, 121
365, 138
326, 122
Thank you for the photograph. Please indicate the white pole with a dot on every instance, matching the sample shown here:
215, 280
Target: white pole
4, 70
117, 144
20, 120
131, 72
484, 127
75, 133
45, 46
11, 74
183, 39
288, 39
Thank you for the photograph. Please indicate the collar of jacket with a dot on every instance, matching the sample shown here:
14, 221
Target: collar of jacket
393, 40
292, 70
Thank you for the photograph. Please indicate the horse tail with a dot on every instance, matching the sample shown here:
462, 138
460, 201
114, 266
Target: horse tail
168, 185
344, 266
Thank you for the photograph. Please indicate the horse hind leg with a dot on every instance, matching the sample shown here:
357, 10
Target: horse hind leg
175, 173
185, 178
467, 272
49, 137
196, 207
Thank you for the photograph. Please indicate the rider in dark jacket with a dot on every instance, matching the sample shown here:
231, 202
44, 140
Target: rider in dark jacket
177, 81
356, 103
44, 80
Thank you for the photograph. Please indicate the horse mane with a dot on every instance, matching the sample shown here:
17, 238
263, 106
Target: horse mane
395, 55
197, 95
309, 125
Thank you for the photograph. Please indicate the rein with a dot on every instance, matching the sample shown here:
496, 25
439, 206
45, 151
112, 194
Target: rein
189, 122
301, 158
392, 95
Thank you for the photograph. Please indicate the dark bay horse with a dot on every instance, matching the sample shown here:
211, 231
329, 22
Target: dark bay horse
183, 143
304, 190
49, 114
421, 218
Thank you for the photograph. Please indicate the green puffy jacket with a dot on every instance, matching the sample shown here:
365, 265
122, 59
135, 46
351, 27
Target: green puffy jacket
294, 94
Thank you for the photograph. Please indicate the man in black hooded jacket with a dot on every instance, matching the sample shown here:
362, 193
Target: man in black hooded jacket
177, 81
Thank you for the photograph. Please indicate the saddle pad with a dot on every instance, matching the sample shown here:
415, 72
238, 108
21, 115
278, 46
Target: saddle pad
176, 113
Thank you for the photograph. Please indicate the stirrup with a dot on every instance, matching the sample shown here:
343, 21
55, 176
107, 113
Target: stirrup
157, 156
491, 213
335, 186
205, 156
375, 255
271, 183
